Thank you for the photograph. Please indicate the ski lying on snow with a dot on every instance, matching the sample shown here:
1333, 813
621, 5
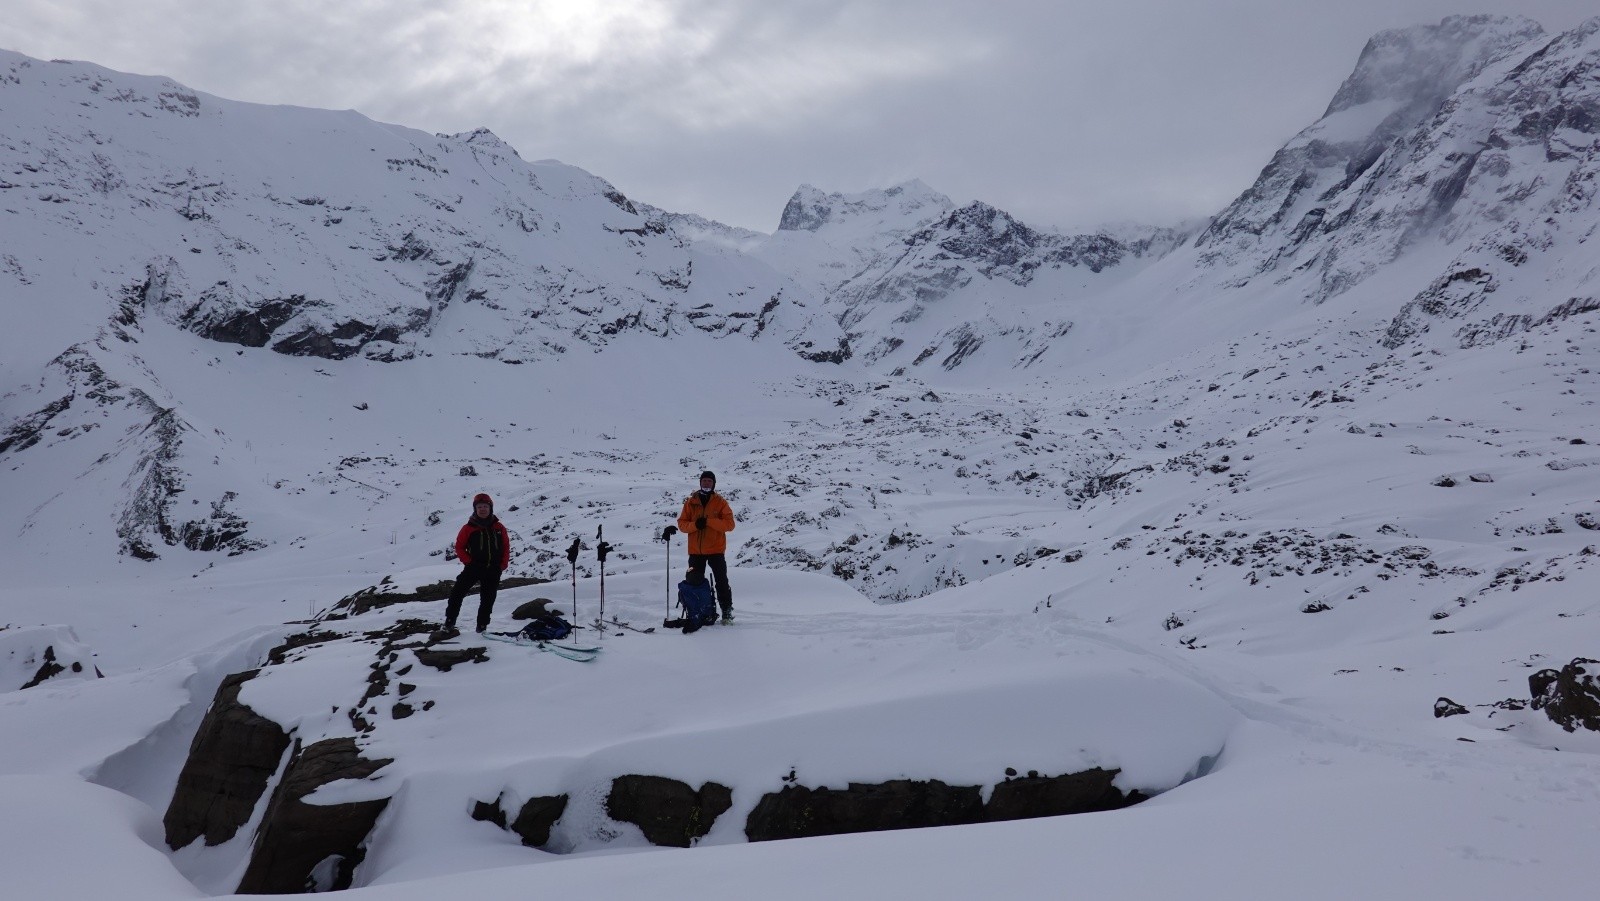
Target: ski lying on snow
570, 652
614, 622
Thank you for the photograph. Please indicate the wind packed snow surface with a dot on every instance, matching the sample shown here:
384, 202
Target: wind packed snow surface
1284, 526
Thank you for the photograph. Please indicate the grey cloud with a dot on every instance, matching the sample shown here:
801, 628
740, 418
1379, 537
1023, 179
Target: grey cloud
1067, 113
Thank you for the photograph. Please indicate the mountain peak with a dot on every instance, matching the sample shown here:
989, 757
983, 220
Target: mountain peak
902, 205
1428, 62
483, 138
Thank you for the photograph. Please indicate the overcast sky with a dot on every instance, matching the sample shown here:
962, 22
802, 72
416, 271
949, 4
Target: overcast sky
1069, 113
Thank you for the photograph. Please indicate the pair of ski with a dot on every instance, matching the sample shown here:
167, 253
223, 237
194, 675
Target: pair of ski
614, 623
567, 651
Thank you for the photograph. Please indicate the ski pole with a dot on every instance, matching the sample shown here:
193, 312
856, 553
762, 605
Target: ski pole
601, 549
572, 558
666, 536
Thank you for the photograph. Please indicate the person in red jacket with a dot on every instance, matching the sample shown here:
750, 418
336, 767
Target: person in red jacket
707, 519
484, 549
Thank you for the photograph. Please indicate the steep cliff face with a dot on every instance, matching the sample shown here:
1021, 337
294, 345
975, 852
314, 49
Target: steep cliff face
1518, 153
1320, 182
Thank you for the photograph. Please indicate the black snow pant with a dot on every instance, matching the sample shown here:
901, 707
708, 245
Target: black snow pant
488, 582
719, 568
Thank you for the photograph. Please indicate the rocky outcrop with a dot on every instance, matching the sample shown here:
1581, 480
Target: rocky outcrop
233, 756
37, 655
303, 846
533, 821
1569, 696
1033, 795
669, 812
797, 811
387, 593
1000, 246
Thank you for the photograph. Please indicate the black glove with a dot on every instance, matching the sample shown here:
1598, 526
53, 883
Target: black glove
700, 523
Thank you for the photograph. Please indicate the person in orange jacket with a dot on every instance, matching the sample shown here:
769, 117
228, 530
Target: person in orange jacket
707, 519
484, 548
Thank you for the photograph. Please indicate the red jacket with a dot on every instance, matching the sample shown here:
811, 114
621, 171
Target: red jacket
713, 539
484, 540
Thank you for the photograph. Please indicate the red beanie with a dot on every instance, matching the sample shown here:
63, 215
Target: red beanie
483, 499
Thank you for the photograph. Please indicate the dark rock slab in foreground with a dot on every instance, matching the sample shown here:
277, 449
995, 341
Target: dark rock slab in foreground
533, 821
313, 847
668, 811
1569, 696
232, 758
797, 811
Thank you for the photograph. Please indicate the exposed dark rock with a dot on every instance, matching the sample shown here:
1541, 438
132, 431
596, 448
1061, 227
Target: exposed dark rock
1568, 696
376, 596
489, 812
1049, 796
299, 640
669, 812
313, 847
233, 756
835, 355
444, 660
531, 609
533, 821
26, 431
47, 670
344, 340
218, 318
224, 530
1445, 707
537, 817
796, 811
148, 513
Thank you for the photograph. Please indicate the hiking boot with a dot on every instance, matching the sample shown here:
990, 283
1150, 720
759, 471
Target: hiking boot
446, 632
727, 617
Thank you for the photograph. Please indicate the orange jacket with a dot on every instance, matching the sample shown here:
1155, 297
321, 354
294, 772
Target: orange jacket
713, 539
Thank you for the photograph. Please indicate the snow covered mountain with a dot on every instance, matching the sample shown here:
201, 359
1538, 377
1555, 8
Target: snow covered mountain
1276, 543
403, 243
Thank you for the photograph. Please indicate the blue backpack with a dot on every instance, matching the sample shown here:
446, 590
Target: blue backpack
699, 608
546, 626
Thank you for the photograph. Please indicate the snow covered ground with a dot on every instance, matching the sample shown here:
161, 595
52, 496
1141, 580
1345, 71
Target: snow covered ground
1140, 643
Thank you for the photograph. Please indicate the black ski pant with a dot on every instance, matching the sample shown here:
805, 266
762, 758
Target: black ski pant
719, 568
488, 582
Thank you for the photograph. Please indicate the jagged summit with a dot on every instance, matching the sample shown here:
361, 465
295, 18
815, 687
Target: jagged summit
1304, 211
483, 138
899, 206
1424, 64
